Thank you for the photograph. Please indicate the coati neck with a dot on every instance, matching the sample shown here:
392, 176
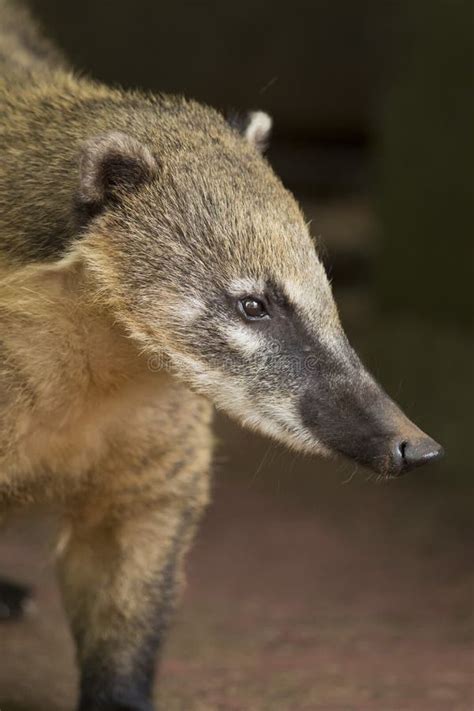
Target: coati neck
81, 348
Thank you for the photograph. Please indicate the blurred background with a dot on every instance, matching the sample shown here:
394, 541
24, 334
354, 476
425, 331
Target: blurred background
311, 585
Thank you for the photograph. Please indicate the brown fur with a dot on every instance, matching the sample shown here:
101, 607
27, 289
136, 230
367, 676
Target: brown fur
132, 229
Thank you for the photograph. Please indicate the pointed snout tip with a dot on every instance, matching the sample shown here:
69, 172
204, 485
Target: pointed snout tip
411, 454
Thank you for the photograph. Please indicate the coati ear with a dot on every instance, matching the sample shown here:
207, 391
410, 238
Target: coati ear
111, 163
255, 126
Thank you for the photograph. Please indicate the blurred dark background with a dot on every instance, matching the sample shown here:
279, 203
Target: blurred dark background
311, 586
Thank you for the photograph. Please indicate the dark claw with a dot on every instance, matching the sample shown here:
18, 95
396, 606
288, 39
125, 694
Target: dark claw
14, 600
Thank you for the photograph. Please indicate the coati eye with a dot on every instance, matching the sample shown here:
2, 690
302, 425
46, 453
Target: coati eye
252, 308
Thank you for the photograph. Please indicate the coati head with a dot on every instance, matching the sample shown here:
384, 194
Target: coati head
207, 260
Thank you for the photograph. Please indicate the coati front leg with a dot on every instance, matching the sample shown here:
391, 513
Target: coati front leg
121, 572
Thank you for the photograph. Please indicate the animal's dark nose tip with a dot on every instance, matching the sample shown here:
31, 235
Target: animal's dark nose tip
410, 454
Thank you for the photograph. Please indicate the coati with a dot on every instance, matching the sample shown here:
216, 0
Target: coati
151, 264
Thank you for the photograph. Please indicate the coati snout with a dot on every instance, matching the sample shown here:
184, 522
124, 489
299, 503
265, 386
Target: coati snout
353, 416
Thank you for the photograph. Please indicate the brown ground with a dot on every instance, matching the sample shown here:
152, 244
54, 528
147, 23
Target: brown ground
303, 594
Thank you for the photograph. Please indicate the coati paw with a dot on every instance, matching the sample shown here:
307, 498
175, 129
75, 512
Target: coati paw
15, 601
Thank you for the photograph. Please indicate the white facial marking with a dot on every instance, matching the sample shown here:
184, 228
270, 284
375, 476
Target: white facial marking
191, 309
315, 303
299, 295
246, 287
285, 414
242, 339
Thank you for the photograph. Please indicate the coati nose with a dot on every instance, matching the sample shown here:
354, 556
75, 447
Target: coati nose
408, 455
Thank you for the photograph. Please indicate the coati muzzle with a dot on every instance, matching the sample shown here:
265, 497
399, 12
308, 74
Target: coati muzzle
350, 414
